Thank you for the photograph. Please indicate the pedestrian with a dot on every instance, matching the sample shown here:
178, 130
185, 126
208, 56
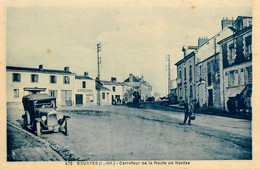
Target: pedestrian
187, 112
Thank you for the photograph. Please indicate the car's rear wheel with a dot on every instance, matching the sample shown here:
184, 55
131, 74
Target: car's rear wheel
38, 129
26, 119
66, 128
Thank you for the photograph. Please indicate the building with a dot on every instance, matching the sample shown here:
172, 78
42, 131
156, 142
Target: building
219, 69
141, 89
117, 90
185, 75
21, 81
84, 89
236, 59
104, 93
207, 75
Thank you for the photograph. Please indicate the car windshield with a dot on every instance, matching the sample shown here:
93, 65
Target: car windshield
45, 104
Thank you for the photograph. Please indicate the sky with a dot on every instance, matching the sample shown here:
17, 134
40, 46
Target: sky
134, 40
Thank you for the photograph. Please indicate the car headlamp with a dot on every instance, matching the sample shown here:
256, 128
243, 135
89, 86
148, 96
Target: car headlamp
60, 116
44, 118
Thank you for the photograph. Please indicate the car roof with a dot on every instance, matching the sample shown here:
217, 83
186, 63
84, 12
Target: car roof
40, 96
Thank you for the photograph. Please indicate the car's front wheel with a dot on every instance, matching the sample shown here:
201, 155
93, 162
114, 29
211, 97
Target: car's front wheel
66, 128
38, 129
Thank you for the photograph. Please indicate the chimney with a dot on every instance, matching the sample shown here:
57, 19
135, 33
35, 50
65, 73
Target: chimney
66, 69
113, 79
86, 74
202, 40
40, 67
131, 78
226, 22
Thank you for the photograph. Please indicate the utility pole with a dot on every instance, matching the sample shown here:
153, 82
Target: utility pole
168, 59
98, 71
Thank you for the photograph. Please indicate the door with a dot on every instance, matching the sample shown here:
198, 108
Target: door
201, 95
210, 94
66, 97
79, 99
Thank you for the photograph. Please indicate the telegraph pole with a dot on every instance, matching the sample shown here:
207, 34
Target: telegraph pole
168, 59
98, 71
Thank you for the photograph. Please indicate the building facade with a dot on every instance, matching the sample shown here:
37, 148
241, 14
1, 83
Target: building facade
21, 81
208, 82
142, 90
236, 56
185, 77
117, 90
85, 92
223, 67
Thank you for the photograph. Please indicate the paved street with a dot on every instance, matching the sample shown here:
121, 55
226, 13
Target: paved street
149, 132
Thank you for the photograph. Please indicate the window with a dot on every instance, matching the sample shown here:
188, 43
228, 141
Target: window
231, 78
34, 78
66, 80
185, 73
180, 93
191, 91
209, 79
200, 70
232, 53
16, 93
249, 74
180, 74
53, 93
190, 73
16, 77
83, 84
103, 95
114, 88
248, 47
53, 79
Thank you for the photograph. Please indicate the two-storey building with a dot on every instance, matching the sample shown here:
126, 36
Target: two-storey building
20, 81
85, 92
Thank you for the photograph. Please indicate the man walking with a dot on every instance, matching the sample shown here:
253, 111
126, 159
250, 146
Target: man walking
187, 112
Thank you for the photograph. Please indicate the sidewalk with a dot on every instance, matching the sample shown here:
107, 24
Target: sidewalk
177, 106
24, 146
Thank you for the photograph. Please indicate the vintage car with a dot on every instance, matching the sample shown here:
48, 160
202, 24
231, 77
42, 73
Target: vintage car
41, 116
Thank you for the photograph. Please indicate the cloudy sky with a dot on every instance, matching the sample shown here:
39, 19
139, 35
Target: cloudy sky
134, 40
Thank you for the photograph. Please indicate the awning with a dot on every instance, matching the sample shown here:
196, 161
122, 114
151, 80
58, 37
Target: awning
33, 89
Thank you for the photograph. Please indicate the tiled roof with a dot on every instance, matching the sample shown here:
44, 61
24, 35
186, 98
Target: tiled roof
26, 69
83, 77
112, 83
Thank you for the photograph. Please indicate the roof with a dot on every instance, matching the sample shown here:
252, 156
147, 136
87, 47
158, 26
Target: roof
112, 83
185, 58
83, 77
134, 79
40, 96
37, 70
247, 29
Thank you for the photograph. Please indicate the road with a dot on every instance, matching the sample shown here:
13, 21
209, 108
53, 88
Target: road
147, 132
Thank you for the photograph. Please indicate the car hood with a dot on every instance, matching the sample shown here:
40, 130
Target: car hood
45, 111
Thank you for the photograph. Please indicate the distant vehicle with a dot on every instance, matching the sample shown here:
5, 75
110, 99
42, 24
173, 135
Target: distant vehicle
40, 114
149, 99
164, 98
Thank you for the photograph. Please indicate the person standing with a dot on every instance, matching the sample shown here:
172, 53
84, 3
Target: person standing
187, 112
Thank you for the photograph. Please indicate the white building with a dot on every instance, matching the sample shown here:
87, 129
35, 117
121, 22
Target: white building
143, 88
85, 91
58, 83
118, 91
